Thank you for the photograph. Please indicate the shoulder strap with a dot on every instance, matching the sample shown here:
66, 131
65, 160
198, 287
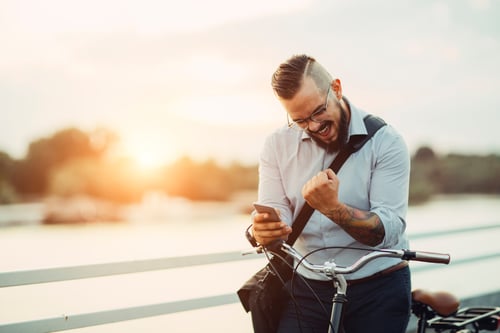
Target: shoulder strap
373, 124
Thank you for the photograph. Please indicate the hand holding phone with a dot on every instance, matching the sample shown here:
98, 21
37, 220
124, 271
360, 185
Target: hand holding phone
273, 215
270, 229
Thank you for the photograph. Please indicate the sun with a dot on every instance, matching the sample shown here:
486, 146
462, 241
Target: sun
147, 153
147, 159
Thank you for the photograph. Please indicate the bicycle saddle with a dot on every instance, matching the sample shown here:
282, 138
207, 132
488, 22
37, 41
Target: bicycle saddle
442, 302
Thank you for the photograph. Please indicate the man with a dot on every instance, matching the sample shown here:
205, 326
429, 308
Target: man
362, 206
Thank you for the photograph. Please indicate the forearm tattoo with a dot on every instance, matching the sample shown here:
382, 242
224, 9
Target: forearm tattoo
365, 227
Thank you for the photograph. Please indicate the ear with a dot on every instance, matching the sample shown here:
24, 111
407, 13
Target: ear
337, 88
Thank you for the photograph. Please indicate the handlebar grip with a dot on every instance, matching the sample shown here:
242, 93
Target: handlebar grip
437, 258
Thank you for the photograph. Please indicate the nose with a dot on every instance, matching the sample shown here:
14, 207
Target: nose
313, 126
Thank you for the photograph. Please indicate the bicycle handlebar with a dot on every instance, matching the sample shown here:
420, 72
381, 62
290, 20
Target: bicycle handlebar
432, 257
330, 268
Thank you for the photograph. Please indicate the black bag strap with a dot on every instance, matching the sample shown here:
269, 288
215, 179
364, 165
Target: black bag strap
373, 124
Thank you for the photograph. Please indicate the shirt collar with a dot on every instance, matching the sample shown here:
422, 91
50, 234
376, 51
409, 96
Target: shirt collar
356, 124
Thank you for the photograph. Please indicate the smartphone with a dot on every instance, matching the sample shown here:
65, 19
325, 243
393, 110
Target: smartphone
273, 215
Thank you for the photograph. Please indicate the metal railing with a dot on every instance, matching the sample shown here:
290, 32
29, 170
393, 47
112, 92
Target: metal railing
66, 322
61, 323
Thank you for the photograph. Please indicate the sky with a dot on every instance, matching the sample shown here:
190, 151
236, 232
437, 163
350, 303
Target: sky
192, 77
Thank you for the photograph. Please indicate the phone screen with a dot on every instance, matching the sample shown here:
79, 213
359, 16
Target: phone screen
273, 215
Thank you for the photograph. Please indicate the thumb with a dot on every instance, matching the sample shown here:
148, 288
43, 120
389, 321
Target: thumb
330, 174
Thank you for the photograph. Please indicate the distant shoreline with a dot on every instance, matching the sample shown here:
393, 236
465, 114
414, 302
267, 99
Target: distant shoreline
163, 208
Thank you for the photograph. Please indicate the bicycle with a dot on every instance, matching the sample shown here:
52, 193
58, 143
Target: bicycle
434, 310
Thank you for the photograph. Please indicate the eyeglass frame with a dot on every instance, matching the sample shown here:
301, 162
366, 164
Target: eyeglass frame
313, 115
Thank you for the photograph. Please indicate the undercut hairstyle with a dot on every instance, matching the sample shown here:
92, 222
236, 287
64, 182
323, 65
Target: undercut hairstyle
288, 78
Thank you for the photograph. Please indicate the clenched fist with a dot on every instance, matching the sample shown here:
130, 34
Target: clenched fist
321, 191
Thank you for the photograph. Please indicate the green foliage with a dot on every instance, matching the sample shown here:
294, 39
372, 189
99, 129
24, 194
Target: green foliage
424, 175
470, 174
453, 174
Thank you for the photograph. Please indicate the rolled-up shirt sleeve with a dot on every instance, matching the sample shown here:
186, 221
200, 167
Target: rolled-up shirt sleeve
390, 186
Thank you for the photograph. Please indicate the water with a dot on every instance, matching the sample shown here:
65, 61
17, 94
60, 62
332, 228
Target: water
198, 229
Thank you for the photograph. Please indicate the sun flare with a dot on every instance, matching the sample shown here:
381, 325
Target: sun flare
148, 160
148, 154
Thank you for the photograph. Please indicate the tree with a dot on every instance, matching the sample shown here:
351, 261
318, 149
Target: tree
32, 174
425, 175
7, 191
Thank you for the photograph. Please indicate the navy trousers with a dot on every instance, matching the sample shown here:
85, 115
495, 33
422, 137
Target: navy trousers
381, 305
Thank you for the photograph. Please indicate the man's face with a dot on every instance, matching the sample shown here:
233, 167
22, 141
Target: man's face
324, 108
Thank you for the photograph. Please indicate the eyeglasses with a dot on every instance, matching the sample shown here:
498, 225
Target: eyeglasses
315, 116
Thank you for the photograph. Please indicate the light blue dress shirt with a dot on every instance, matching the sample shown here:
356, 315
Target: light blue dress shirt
375, 179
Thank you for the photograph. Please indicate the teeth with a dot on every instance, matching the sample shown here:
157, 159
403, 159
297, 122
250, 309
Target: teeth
323, 130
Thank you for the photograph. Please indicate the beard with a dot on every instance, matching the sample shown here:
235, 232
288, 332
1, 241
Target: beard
343, 130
